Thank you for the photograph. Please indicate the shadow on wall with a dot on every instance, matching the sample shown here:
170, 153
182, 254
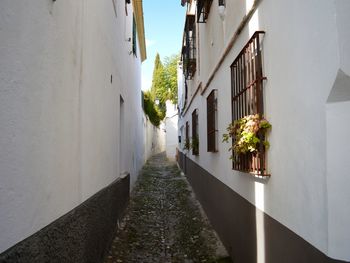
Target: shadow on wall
249, 235
338, 165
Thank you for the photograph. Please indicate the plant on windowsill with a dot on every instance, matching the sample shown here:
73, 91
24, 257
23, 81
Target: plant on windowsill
187, 145
195, 145
248, 134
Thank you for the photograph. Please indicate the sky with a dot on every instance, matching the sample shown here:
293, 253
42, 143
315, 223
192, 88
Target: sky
164, 24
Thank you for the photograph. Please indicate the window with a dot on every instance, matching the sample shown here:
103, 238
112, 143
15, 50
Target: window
114, 7
212, 121
247, 98
203, 8
189, 47
187, 140
126, 8
134, 35
195, 137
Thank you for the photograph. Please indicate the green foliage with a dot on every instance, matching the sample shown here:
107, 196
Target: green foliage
151, 110
164, 82
195, 144
246, 132
158, 84
170, 68
187, 144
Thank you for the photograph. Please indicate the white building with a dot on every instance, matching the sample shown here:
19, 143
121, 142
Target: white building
171, 121
72, 126
295, 207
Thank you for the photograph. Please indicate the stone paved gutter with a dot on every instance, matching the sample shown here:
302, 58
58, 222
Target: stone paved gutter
164, 222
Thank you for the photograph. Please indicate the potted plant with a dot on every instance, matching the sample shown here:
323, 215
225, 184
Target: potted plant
248, 134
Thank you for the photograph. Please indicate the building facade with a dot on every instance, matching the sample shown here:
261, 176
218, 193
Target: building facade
288, 62
72, 133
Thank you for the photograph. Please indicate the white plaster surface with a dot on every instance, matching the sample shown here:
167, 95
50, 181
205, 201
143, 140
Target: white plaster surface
338, 167
60, 117
171, 128
304, 48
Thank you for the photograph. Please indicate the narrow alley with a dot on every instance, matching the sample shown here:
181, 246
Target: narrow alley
164, 221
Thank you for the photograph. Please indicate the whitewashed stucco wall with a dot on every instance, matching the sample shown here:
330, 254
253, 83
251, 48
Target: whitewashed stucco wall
303, 49
154, 138
171, 135
59, 112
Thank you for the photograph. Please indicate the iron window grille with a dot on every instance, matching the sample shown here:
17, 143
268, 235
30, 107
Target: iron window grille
195, 136
212, 121
189, 47
203, 8
187, 131
134, 35
247, 83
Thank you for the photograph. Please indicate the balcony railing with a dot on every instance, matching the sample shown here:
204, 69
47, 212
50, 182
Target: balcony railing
203, 8
189, 47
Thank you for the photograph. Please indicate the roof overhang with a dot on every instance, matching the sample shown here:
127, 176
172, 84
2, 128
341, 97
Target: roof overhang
138, 12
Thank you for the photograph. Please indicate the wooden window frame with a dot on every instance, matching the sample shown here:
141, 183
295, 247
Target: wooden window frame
195, 151
187, 133
212, 122
247, 85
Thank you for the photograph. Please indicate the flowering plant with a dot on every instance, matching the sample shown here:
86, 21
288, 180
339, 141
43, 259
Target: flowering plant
248, 133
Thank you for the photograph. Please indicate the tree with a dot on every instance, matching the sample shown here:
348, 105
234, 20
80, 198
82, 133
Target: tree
164, 83
170, 69
158, 80
158, 84
150, 109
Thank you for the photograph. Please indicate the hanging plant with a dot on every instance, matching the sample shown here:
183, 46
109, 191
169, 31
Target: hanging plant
248, 133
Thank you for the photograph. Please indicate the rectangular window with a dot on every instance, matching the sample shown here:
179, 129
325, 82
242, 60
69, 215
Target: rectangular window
134, 35
212, 121
195, 137
203, 8
189, 47
247, 99
187, 140
114, 7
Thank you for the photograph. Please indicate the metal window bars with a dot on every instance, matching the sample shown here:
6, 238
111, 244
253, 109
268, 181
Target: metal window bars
247, 99
212, 121
189, 47
203, 8
195, 136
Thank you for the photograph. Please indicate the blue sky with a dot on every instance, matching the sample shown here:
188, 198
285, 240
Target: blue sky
164, 23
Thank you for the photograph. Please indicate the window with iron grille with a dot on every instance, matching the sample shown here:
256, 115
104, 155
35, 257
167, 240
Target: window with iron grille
189, 47
212, 121
195, 137
247, 99
187, 140
203, 8
134, 35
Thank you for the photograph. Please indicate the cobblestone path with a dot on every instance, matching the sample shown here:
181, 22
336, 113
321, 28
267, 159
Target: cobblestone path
164, 222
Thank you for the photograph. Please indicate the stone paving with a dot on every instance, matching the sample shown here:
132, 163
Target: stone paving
164, 222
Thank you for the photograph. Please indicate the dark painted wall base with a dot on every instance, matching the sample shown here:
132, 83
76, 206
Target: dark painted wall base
82, 235
234, 219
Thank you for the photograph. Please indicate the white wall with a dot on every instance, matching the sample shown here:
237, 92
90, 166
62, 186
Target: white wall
59, 111
303, 49
154, 138
171, 128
